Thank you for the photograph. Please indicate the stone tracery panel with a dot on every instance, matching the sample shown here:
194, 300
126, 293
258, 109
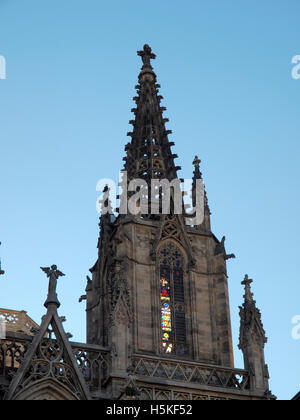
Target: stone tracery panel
172, 300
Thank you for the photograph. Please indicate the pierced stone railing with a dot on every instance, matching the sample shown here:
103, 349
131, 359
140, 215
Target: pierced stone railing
12, 352
190, 373
94, 363
92, 360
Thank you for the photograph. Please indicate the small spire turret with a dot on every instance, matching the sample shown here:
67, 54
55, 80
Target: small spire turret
197, 174
252, 340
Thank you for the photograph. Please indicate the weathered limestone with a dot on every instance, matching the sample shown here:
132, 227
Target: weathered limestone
157, 302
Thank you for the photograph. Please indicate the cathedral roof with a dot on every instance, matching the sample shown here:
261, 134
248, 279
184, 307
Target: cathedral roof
17, 321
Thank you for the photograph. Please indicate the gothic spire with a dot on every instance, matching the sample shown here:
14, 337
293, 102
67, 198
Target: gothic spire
253, 339
251, 322
149, 155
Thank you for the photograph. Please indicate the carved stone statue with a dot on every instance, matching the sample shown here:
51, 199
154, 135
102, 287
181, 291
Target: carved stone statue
220, 249
53, 274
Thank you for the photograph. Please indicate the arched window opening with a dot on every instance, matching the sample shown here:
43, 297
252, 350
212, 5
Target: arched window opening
172, 301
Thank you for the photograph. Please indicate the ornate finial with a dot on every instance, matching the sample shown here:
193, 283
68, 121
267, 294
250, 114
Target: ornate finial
147, 55
105, 202
197, 172
247, 283
197, 162
53, 274
1, 271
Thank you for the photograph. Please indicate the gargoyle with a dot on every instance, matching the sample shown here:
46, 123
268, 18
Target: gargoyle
220, 249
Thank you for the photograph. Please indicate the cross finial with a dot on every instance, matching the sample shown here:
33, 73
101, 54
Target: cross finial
197, 172
147, 55
247, 283
53, 274
197, 162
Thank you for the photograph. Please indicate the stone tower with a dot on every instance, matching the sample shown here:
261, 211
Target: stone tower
158, 297
158, 318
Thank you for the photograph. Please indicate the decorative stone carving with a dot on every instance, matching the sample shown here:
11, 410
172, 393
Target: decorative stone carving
119, 295
251, 324
131, 390
172, 227
147, 55
121, 315
49, 358
220, 249
252, 340
53, 274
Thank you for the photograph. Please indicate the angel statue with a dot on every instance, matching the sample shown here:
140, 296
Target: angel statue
53, 274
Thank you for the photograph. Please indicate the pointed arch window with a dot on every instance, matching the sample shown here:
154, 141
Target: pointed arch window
172, 301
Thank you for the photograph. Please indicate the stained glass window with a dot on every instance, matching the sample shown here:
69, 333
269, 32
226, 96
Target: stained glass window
172, 299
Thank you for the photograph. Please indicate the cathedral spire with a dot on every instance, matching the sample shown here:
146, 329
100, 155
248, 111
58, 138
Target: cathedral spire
149, 155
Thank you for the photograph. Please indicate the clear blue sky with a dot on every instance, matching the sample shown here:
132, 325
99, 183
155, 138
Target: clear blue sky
225, 70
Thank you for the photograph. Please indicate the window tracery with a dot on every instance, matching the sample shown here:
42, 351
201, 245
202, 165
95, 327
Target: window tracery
172, 300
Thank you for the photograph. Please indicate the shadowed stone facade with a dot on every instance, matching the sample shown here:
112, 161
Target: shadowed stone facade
297, 397
158, 316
